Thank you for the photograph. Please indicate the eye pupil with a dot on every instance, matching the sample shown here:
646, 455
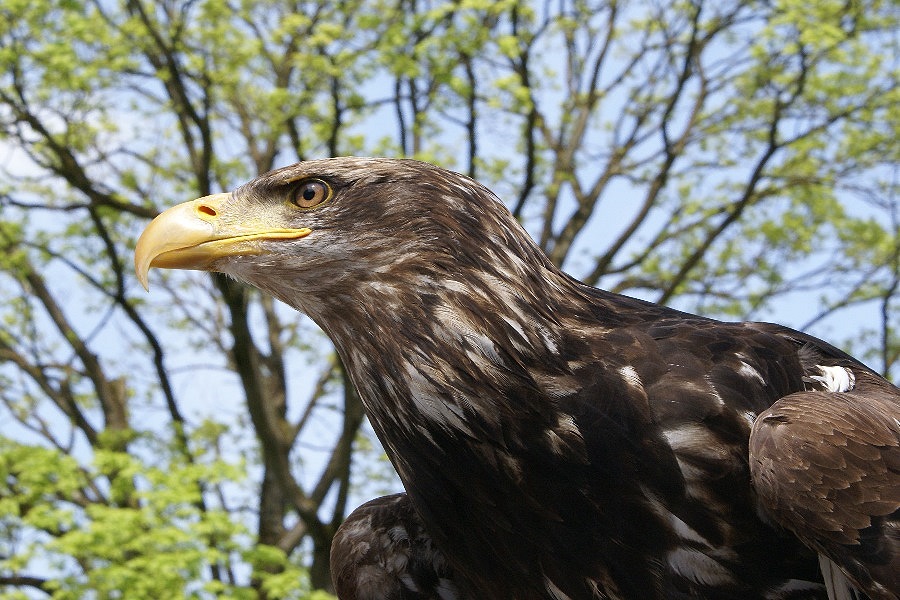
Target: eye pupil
309, 193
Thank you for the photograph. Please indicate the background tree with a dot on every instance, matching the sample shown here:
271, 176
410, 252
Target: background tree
735, 158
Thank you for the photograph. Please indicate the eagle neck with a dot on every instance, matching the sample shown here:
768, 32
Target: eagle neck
455, 356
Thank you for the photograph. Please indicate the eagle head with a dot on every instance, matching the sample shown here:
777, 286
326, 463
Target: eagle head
328, 232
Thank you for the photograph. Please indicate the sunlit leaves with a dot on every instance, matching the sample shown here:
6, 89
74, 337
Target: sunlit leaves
152, 543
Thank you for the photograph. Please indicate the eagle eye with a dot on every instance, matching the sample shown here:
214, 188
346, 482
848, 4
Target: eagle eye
310, 193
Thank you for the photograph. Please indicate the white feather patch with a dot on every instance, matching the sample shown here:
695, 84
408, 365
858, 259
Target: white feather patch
837, 584
750, 373
835, 379
554, 591
631, 377
698, 567
686, 532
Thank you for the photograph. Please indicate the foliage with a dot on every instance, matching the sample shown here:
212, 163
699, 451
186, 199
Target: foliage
736, 158
128, 527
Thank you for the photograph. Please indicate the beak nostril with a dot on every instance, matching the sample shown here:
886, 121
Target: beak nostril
206, 210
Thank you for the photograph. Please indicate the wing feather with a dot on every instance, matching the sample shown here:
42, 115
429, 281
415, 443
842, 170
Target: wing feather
826, 466
382, 552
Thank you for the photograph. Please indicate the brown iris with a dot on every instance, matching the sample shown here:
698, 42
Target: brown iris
311, 193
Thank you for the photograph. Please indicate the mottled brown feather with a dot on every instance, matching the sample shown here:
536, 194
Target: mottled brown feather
383, 552
827, 467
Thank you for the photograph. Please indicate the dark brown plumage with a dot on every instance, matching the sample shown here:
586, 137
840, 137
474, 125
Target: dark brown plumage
382, 550
826, 465
555, 440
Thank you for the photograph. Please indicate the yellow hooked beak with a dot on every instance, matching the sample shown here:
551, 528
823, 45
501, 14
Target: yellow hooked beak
196, 234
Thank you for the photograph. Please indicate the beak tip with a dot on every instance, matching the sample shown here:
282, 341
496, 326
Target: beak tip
142, 273
142, 260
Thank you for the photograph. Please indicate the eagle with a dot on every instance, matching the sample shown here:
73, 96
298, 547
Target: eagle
556, 441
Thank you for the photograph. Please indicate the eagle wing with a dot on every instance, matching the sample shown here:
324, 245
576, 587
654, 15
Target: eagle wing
826, 466
383, 552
